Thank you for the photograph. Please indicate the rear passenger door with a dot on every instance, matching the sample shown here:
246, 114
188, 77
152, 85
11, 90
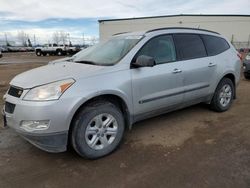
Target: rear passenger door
198, 69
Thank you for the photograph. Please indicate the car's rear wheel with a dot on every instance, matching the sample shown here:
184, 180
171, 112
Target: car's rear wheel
223, 96
97, 130
247, 76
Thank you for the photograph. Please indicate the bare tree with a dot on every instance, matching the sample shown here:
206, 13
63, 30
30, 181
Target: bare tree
29, 43
93, 40
56, 37
63, 36
23, 37
59, 36
6, 39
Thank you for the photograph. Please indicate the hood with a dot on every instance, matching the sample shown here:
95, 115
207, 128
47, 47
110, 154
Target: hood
55, 72
69, 59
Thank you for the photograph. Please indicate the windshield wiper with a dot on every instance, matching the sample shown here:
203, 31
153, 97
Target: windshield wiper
86, 62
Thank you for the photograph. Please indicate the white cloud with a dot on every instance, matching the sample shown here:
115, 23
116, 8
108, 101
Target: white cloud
32, 11
38, 10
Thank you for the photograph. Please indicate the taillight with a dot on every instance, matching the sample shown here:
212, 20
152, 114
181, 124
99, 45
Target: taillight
240, 56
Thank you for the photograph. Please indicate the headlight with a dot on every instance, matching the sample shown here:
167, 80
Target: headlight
51, 91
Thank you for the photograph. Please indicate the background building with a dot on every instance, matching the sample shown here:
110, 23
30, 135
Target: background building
235, 27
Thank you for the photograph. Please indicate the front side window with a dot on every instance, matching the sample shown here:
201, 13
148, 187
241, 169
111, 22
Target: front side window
215, 45
161, 48
189, 46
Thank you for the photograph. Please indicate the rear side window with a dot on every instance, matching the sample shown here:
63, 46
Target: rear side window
161, 48
215, 45
189, 46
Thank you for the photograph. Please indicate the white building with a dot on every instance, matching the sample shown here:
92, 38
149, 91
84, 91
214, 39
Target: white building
235, 27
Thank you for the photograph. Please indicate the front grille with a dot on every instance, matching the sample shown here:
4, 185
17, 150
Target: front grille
9, 107
15, 92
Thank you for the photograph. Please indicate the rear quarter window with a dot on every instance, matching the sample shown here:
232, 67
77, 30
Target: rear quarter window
189, 46
215, 45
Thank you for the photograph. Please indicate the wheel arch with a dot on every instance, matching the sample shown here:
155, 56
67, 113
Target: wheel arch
113, 98
232, 77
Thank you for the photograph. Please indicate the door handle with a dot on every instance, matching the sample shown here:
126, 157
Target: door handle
175, 71
211, 65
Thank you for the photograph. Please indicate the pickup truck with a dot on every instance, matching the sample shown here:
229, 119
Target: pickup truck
54, 49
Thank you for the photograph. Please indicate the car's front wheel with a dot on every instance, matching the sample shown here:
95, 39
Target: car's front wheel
59, 52
97, 130
223, 96
38, 53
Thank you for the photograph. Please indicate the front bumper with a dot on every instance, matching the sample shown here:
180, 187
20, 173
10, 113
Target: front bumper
51, 142
59, 114
54, 143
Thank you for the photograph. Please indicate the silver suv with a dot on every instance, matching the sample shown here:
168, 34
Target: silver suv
88, 100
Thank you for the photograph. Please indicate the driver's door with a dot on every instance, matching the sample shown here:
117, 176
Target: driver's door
159, 87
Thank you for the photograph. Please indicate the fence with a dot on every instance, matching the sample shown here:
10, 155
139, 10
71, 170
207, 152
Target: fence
239, 45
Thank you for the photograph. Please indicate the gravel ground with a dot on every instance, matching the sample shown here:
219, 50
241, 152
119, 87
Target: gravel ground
193, 147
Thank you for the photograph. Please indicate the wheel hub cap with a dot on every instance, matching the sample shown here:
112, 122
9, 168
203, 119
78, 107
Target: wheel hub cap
225, 95
101, 131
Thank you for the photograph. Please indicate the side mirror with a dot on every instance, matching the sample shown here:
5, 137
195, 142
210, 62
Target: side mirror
143, 61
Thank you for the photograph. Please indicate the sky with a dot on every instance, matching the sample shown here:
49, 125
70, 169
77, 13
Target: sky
40, 19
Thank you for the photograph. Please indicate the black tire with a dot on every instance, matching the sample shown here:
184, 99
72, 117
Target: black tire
70, 52
247, 76
215, 103
82, 121
38, 53
59, 52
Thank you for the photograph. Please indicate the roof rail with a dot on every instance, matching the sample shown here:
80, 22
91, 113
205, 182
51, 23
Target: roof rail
120, 33
197, 29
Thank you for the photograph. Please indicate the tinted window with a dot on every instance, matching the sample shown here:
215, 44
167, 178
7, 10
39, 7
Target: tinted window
215, 45
189, 46
160, 48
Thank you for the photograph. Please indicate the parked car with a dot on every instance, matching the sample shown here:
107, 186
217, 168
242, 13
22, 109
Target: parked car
1, 55
88, 101
51, 49
54, 49
246, 66
3, 49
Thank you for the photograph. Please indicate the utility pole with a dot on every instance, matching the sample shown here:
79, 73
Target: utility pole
6, 39
248, 43
83, 40
69, 38
34, 40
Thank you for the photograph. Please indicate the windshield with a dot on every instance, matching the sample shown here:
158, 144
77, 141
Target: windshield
109, 52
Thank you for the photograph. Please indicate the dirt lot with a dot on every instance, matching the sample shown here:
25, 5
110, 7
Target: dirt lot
193, 147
